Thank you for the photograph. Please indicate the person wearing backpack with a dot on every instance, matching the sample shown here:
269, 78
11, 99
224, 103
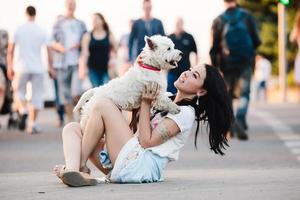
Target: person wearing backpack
234, 41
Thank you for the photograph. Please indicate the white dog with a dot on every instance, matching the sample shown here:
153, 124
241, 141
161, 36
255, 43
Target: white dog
126, 91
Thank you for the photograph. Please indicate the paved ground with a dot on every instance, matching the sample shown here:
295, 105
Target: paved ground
265, 167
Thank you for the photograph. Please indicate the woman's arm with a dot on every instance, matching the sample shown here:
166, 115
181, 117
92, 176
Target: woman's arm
10, 56
113, 43
84, 56
164, 130
293, 35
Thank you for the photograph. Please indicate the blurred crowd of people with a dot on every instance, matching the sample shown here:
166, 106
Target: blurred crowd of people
75, 53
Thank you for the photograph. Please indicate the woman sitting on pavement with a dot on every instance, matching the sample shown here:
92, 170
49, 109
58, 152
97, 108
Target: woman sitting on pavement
141, 157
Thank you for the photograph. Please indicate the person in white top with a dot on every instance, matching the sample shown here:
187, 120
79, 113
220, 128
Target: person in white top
262, 73
66, 44
24, 65
295, 37
141, 157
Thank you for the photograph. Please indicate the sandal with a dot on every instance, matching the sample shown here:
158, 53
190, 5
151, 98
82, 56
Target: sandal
77, 179
74, 178
85, 169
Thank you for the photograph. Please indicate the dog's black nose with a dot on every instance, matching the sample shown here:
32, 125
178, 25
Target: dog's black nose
181, 54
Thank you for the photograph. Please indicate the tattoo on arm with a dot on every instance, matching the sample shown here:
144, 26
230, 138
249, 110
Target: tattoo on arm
163, 132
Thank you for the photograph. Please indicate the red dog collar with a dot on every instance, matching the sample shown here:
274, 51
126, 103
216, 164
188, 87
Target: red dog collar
149, 67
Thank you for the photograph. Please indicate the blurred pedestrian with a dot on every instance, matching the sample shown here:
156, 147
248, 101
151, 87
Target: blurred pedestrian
235, 38
186, 44
27, 43
123, 51
3, 78
98, 47
66, 45
147, 25
262, 73
295, 37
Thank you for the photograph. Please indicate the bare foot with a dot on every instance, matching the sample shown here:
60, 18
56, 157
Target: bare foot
58, 170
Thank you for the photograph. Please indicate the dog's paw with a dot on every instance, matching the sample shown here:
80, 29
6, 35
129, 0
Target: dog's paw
174, 109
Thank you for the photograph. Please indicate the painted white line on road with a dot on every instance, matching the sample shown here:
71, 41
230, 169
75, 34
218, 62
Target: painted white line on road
295, 150
292, 143
284, 132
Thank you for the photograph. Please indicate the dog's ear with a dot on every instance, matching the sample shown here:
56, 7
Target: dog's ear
150, 43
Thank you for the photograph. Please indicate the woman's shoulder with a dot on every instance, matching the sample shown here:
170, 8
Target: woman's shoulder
186, 114
187, 110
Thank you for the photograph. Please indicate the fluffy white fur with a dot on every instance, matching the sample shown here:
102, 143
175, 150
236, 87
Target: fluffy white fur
126, 91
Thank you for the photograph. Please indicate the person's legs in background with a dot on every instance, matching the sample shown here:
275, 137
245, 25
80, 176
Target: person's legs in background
64, 78
2, 88
19, 84
261, 91
60, 109
98, 78
36, 102
232, 81
94, 77
76, 89
244, 87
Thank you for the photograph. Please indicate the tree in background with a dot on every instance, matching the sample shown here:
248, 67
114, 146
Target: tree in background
265, 12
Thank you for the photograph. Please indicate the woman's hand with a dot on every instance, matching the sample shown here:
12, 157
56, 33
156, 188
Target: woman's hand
150, 92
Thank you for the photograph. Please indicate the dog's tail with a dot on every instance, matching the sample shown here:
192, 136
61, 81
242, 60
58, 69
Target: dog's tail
85, 97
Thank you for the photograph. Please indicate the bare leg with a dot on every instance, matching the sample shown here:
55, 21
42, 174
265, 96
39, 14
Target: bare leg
69, 112
95, 159
105, 117
32, 114
71, 136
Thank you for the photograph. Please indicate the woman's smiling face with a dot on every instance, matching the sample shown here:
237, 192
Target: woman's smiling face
191, 81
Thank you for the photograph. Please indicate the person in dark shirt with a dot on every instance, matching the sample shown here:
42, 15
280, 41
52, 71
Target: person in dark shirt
97, 46
235, 39
186, 44
147, 25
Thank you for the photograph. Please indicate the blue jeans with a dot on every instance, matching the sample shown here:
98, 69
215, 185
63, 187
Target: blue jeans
98, 78
171, 79
60, 109
239, 87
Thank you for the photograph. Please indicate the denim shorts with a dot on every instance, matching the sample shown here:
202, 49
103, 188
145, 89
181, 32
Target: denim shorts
135, 164
69, 84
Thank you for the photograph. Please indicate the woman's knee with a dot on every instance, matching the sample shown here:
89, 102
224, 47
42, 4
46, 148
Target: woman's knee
72, 128
103, 104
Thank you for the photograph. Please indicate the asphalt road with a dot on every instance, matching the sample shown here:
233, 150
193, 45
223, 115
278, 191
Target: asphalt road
265, 167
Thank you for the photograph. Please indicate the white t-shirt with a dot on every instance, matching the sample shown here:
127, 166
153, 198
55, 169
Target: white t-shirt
184, 120
262, 70
72, 33
29, 39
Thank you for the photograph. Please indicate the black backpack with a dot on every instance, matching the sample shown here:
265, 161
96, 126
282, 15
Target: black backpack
237, 45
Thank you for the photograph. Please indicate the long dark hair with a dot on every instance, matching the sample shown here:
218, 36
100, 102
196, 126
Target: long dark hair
105, 24
214, 108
